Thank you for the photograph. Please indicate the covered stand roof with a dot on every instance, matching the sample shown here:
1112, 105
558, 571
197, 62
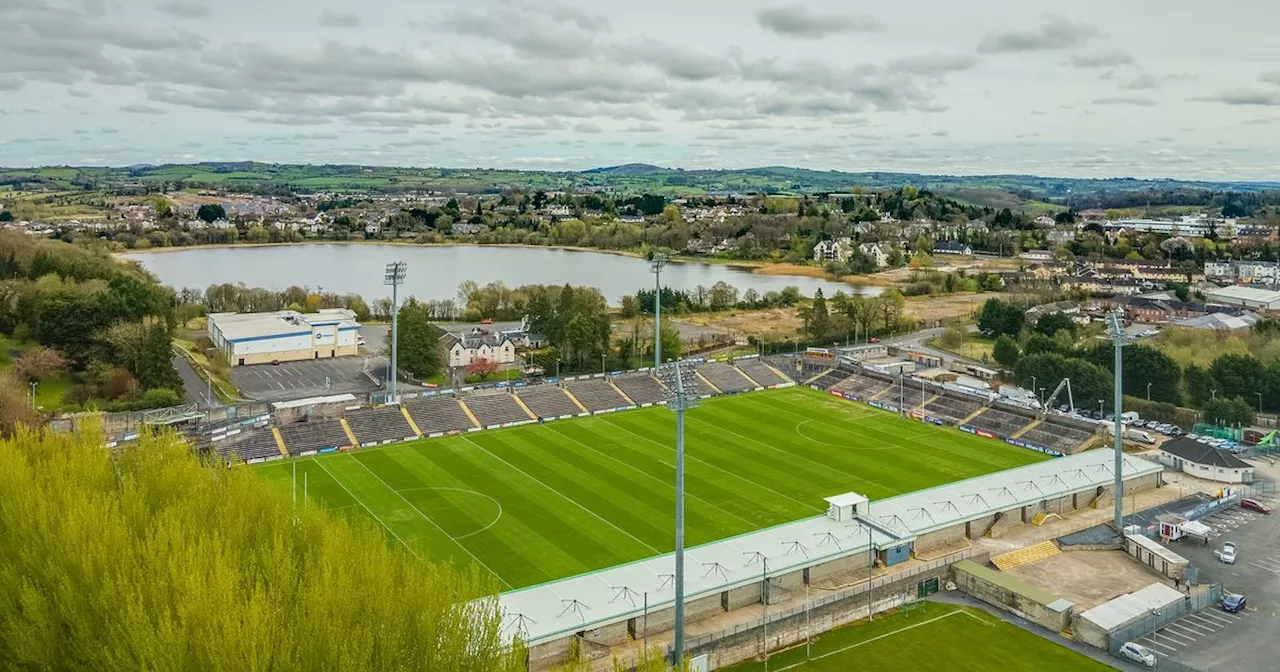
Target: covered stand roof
552, 610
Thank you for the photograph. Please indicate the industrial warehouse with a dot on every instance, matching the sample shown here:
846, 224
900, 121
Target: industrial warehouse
284, 336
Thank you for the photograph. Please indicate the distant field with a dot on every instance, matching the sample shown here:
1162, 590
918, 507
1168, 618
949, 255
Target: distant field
542, 502
934, 636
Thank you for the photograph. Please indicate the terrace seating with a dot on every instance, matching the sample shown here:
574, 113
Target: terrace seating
830, 379
788, 366
596, 394
379, 425
643, 389
862, 386
434, 415
548, 401
1057, 434
254, 444
999, 422
757, 371
952, 408
726, 378
496, 409
314, 435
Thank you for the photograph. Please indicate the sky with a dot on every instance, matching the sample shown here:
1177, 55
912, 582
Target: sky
1089, 88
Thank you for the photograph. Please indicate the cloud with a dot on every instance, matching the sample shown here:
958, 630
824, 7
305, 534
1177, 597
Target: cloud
933, 64
138, 108
536, 30
799, 20
11, 83
1272, 77
1250, 96
1125, 100
1103, 59
1141, 83
587, 127
1057, 33
185, 9
108, 131
643, 128
332, 19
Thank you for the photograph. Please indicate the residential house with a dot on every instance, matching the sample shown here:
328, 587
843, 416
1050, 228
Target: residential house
833, 250
1067, 307
1148, 309
1244, 272
951, 247
1037, 255
469, 229
463, 349
1061, 236
373, 228
1045, 220
878, 253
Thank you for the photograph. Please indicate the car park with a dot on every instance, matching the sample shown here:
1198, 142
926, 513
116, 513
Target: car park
1227, 554
1255, 506
1233, 603
1138, 654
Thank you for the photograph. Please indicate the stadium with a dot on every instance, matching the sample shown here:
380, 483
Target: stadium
815, 492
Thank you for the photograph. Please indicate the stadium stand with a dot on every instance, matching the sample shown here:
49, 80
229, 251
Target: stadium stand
496, 408
643, 389
547, 401
249, 445
379, 425
596, 394
725, 377
798, 369
952, 408
830, 379
1058, 434
862, 386
313, 435
1000, 422
757, 371
434, 415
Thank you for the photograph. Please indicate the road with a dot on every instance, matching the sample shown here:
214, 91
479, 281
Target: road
916, 341
195, 387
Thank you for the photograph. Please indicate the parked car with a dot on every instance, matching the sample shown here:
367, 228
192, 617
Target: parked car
1193, 437
1138, 654
1233, 603
1255, 506
486, 321
1227, 553
873, 339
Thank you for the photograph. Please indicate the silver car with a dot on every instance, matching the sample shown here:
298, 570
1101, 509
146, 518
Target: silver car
1138, 654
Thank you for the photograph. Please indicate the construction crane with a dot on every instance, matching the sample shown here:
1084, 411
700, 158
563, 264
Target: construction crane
1048, 403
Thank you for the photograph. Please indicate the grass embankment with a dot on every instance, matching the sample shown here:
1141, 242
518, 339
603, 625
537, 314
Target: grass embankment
932, 636
49, 393
974, 346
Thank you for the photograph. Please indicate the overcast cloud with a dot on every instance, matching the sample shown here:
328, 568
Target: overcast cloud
1092, 88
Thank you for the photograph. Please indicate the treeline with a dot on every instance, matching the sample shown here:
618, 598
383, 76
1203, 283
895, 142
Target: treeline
145, 558
1042, 354
851, 317
237, 298
720, 296
110, 324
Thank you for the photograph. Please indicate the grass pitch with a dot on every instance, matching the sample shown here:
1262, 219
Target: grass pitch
542, 502
940, 637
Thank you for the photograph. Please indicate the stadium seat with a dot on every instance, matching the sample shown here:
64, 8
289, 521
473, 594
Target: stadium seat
596, 394
435, 415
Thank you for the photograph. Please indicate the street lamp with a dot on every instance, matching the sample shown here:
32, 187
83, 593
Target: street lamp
1100, 413
557, 367
602, 363
1148, 391
33, 394
681, 379
656, 263
1033, 384
1259, 401
394, 277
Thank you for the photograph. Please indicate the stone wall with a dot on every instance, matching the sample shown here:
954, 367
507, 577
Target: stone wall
988, 585
945, 537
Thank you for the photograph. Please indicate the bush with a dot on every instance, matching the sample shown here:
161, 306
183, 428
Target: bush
144, 558
1005, 351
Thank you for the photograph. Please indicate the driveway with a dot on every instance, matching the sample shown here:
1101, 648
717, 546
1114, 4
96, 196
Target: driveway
194, 386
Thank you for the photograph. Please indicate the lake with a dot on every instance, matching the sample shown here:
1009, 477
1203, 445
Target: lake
436, 271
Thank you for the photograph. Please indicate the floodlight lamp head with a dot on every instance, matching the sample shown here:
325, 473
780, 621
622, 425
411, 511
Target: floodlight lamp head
657, 260
395, 273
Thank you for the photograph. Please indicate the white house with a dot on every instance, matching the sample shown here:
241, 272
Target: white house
461, 350
876, 252
833, 250
1037, 255
1204, 461
951, 247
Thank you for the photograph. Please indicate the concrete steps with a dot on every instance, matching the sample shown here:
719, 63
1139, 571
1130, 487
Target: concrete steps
1024, 430
971, 416
1025, 556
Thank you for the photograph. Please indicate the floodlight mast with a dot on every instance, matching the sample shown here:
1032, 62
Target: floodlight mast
680, 380
394, 277
658, 261
1116, 327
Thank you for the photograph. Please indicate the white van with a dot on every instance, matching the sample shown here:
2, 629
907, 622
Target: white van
1139, 435
1129, 416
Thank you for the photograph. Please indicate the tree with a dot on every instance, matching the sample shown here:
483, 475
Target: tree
1236, 375
1005, 351
1051, 324
155, 366
1199, 383
998, 317
817, 322
1088, 381
40, 363
418, 350
1234, 412
6, 216
211, 213
80, 591
481, 368
952, 337
1143, 364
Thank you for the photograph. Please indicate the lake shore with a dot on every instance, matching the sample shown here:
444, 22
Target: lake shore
755, 267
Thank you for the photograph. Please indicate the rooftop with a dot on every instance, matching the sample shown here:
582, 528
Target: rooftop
251, 326
1202, 453
1130, 606
552, 610
1244, 293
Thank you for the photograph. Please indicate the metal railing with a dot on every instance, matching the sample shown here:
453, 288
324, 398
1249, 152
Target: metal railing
772, 616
